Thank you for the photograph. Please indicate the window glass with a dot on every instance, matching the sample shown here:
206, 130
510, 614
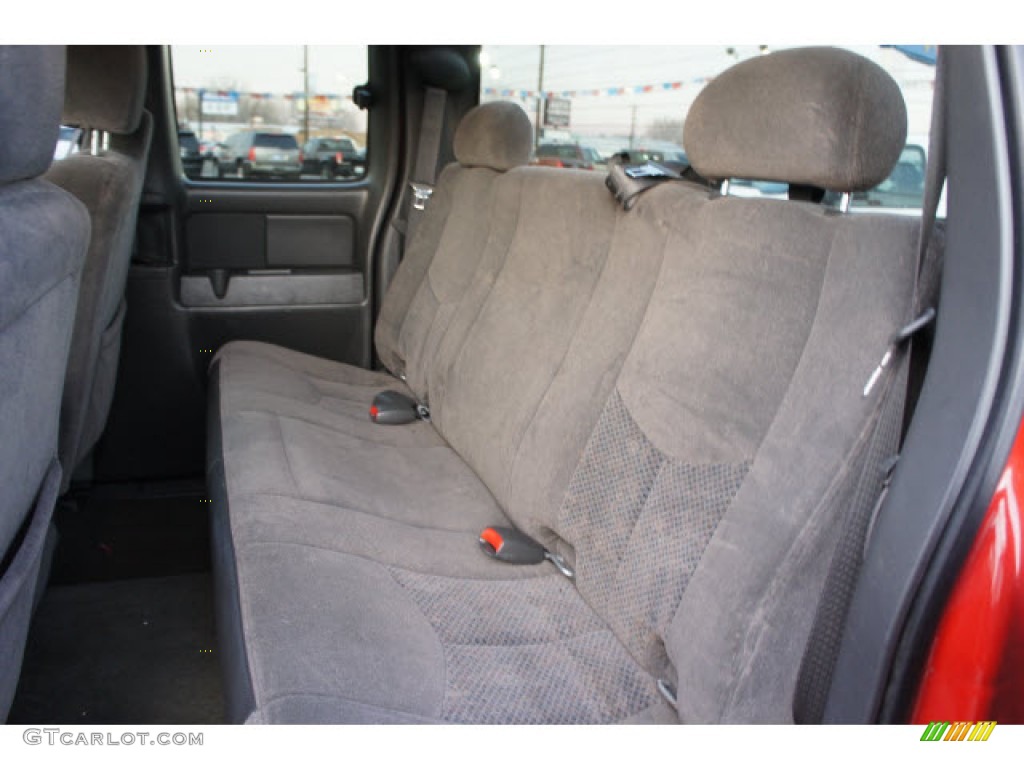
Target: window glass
244, 112
634, 99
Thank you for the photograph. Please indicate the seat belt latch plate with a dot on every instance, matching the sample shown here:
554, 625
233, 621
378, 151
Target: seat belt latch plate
420, 195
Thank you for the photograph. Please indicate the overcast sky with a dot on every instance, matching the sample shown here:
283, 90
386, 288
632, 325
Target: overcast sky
586, 67
336, 69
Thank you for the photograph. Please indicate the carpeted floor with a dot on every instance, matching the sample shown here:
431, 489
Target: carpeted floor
123, 652
123, 532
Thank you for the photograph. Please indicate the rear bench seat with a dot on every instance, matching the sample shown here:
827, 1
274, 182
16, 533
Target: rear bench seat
670, 398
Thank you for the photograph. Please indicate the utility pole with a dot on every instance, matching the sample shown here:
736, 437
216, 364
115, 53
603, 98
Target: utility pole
632, 126
540, 101
305, 90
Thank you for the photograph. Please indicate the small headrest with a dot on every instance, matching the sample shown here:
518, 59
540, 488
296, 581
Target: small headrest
823, 117
31, 92
106, 87
495, 135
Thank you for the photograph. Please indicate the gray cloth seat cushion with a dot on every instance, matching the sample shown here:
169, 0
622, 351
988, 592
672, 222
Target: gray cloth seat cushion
301, 431
335, 637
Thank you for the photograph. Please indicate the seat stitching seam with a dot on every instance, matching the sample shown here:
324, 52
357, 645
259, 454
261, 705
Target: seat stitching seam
862, 442
490, 289
336, 430
778, 410
348, 508
561, 363
335, 697
477, 272
59, 283
605, 630
267, 543
284, 451
437, 636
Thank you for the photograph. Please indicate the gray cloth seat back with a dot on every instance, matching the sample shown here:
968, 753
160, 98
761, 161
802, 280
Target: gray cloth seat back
692, 478
43, 236
443, 256
105, 92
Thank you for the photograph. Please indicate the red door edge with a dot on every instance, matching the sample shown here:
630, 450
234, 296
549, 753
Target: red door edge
975, 668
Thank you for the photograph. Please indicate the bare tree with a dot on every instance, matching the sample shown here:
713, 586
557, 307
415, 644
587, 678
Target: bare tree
666, 129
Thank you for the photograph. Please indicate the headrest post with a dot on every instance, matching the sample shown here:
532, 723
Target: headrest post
724, 189
844, 203
94, 142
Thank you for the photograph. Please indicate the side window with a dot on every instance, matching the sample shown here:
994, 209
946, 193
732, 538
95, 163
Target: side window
266, 113
634, 99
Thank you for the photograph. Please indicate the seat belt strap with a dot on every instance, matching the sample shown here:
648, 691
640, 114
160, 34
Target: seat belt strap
427, 151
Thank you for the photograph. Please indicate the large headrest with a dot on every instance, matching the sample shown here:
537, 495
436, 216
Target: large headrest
496, 135
823, 117
106, 87
31, 91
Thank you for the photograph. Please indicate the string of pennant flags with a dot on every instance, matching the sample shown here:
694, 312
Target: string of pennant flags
676, 85
504, 93
616, 91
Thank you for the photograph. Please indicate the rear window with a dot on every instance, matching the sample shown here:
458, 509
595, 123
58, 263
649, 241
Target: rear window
905, 186
275, 141
288, 95
635, 99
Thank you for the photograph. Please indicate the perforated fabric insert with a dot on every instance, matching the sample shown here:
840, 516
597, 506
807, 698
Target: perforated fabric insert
639, 523
527, 651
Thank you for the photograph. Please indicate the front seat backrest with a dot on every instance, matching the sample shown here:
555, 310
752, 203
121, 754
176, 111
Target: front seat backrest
43, 236
105, 91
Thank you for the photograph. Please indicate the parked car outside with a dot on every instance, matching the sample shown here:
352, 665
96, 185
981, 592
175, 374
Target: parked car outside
329, 157
249, 154
569, 156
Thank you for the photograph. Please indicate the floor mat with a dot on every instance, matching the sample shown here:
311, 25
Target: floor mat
123, 652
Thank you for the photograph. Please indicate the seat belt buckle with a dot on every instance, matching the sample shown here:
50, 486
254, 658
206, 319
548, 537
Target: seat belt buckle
390, 407
420, 195
515, 547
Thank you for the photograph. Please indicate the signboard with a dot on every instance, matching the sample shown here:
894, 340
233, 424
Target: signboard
220, 103
556, 112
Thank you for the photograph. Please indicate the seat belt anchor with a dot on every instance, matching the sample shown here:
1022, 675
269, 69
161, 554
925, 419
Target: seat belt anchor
899, 338
515, 547
390, 407
420, 195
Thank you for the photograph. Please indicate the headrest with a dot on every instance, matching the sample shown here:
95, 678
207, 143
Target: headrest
31, 92
824, 117
495, 135
106, 87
